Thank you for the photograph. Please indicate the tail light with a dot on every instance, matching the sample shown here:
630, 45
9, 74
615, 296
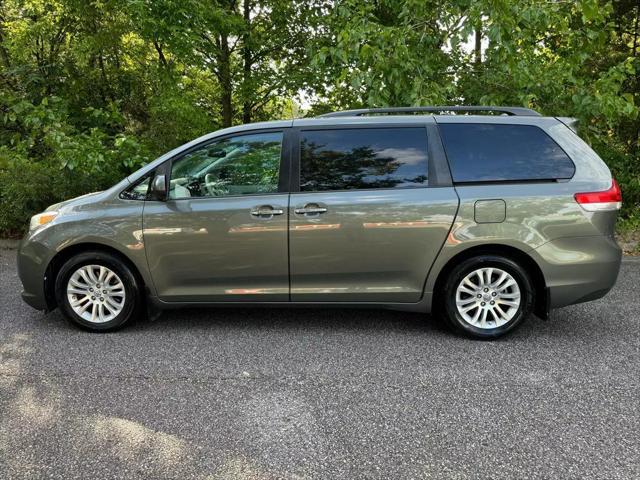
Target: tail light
601, 201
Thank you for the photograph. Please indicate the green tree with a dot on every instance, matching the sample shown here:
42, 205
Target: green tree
575, 59
91, 89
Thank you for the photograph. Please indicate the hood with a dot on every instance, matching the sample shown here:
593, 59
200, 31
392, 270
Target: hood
73, 202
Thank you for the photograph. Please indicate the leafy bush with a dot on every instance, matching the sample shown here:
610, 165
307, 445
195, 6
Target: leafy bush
44, 159
625, 167
29, 187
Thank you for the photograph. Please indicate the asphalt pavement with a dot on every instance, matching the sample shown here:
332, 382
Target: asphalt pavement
346, 394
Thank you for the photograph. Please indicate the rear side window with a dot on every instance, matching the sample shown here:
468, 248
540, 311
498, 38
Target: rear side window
363, 158
488, 152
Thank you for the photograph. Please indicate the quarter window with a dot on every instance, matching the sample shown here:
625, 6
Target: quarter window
491, 152
363, 158
137, 191
241, 165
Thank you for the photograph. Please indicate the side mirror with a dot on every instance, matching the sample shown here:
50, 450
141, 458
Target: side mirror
159, 188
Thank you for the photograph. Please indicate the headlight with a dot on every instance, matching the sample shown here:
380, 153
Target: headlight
42, 219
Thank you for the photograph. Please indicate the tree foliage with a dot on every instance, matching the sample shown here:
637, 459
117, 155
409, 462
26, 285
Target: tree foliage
577, 59
91, 89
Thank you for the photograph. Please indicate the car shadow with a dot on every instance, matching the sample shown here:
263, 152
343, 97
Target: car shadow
343, 320
312, 319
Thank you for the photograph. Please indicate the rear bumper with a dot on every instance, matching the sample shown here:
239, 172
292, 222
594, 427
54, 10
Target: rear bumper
34, 300
578, 269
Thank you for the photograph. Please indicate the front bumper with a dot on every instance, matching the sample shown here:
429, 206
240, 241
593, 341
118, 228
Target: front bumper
33, 259
578, 269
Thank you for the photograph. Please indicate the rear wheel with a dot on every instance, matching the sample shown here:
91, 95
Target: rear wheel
487, 296
97, 291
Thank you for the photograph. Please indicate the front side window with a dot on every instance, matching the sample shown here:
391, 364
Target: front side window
241, 165
363, 158
499, 152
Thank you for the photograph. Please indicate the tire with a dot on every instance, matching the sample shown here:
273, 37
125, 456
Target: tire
117, 302
468, 295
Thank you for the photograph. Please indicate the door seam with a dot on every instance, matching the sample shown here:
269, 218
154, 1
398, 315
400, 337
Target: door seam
289, 244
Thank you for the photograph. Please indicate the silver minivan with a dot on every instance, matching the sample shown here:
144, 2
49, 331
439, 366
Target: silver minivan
485, 218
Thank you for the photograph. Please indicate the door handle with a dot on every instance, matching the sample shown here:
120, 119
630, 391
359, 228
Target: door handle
266, 211
310, 210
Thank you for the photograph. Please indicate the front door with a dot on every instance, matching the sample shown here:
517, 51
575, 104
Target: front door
222, 233
365, 226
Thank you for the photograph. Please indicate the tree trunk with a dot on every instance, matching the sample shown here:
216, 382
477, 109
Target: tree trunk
635, 31
246, 63
4, 54
478, 44
161, 58
224, 67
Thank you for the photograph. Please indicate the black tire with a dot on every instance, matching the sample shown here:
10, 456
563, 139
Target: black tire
460, 271
132, 300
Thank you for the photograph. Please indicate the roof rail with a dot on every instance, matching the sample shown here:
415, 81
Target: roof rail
518, 111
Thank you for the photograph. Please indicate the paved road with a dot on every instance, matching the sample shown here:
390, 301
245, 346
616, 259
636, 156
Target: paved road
320, 394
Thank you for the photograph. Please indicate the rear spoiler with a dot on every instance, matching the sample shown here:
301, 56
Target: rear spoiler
570, 122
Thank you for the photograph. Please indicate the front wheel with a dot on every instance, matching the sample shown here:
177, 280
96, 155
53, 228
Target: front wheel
97, 291
487, 296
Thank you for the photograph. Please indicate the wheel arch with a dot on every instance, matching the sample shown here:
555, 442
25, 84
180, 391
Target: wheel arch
541, 307
59, 259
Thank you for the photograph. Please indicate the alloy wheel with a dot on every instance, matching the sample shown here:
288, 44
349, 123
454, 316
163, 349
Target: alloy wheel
96, 293
488, 298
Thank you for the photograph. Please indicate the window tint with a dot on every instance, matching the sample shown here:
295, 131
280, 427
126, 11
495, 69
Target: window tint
242, 165
486, 152
363, 158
